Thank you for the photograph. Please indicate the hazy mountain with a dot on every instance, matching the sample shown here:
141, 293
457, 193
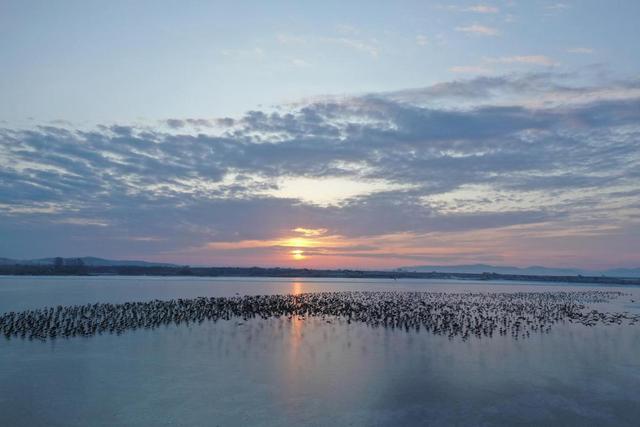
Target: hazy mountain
623, 272
89, 261
533, 270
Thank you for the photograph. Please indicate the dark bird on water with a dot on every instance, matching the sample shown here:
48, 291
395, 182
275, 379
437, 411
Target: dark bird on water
463, 315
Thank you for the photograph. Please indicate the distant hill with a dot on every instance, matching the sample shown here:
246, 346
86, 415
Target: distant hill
533, 270
467, 268
622, 272
88, 261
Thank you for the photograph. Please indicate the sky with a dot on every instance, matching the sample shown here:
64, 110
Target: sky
361, 134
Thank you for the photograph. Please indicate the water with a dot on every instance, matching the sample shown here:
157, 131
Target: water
310, 372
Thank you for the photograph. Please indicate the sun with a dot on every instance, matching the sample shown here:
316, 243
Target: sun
298, 254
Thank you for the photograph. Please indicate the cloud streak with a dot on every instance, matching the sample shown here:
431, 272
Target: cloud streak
479, 30
477, 8
523, 59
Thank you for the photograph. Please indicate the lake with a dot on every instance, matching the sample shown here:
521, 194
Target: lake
280, 372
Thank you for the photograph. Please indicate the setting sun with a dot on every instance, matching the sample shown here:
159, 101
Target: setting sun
298, 255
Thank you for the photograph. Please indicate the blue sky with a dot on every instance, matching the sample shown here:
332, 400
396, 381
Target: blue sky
90, 61
361, 134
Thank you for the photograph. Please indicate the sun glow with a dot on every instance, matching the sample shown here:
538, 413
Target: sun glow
328, 249
298, 255
317, 246
299, 242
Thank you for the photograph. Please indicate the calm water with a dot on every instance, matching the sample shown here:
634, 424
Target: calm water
309, 372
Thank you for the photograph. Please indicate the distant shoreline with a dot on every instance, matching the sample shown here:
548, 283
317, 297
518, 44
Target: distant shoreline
42, 270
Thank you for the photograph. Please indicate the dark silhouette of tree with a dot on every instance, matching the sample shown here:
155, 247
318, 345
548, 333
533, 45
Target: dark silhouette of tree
70, 268
185, 271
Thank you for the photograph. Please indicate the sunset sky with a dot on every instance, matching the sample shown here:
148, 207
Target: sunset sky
322, 134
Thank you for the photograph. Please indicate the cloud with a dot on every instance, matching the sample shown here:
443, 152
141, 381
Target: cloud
582, 50
346, 39
310, 232
478, 8
481, 8
301, 63
479, 30
482, 87
422, 40
291, 39
530, 89
244, 54
352, 43
557, 6
470, 69
453, 158
347, 29
523, 59
175, 123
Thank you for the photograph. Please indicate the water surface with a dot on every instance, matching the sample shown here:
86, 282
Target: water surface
310, 372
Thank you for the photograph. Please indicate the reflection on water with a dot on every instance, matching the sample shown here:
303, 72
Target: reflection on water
309, 371
297, 288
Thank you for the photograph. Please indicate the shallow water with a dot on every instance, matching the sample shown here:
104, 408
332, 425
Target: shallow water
310, 372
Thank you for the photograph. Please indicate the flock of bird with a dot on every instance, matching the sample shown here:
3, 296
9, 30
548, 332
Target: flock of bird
462, 315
